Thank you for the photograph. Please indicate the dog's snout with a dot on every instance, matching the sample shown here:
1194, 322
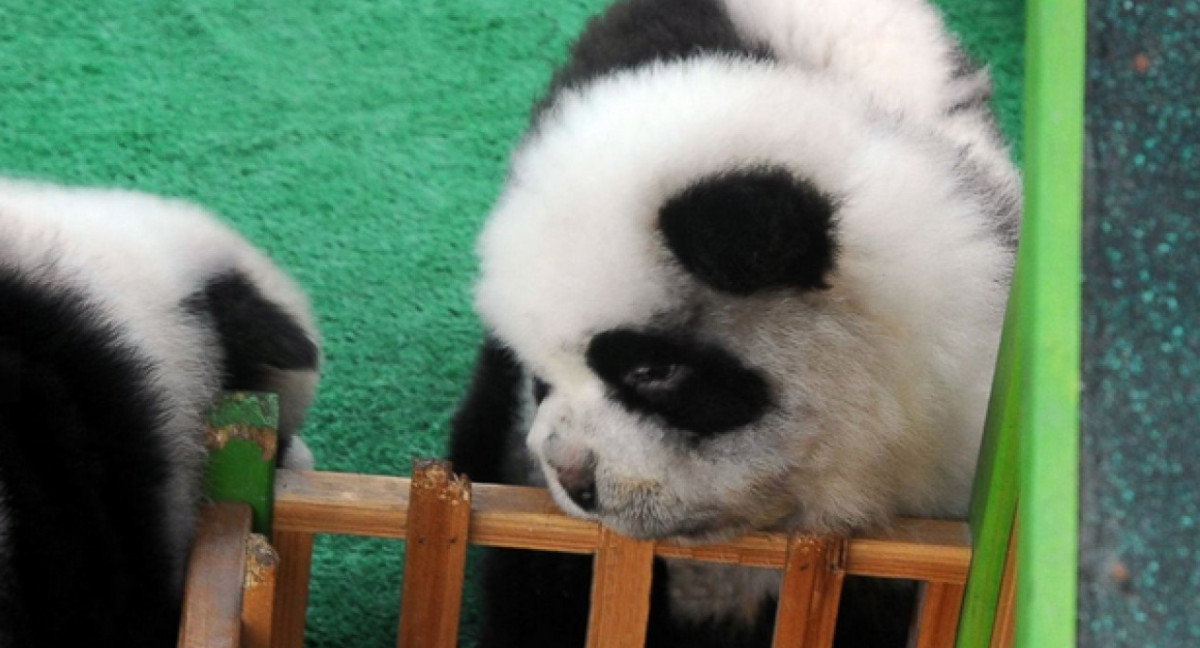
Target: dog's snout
579, 482
575, 470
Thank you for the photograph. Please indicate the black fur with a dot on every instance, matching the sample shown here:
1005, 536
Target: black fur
82, 472
552, 608
875, 613
541, 389
750, 230
255, 336
535, 599
11, 609
484, 426
255, 333
636, 32
708, 391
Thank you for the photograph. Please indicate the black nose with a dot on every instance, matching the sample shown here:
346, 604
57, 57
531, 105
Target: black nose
580, 485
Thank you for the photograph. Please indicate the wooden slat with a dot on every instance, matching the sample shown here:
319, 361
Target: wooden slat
435, 561
341, 503
258, 598
811, 591
620, 592
753, 550
291, 587
1003, 632
937, 615
212, 611
507, 516
370, 505
916, 549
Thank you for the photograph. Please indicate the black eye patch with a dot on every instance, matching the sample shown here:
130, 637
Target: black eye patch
695, 387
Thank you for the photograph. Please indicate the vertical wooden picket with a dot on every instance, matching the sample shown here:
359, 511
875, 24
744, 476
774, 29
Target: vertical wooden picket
811, 591
258, 592
439, 514
937, 615
620, 592
291, 588
1004, 633
213, 597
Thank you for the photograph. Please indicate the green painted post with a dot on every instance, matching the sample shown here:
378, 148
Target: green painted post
994, 496
1032, 435
1051, 250
241, 439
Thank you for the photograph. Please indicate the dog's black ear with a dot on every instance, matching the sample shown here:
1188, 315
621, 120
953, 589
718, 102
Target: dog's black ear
752, 229
255, 333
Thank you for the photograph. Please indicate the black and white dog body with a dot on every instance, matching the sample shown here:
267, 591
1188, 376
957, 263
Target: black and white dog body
122, 316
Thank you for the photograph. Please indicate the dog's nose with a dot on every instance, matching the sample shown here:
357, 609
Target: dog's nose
574, 466
580, 484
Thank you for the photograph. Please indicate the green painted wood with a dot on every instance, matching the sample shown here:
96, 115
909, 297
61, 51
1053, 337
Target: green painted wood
1050, 326
242, 443
994, 496
1031, 439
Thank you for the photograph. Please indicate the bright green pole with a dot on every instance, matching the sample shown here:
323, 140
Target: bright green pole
1031, 440
994, 496
1050, 290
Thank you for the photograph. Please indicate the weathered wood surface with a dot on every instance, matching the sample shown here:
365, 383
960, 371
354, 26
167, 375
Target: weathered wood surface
258, 592
811, 592
436, 556
937, 615
620, 592
212, 611
509, 516
291, 587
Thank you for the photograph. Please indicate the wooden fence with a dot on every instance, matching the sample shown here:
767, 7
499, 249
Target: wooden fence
244, 592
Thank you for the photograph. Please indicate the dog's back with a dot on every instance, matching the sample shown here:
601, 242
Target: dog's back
121, 316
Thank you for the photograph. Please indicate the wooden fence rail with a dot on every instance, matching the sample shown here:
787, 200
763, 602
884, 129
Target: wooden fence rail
440, 513
230, 582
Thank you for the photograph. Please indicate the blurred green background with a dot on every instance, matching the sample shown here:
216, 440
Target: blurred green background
360, 143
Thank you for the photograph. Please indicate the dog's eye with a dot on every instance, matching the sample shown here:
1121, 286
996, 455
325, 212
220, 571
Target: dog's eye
655, 377
541, 389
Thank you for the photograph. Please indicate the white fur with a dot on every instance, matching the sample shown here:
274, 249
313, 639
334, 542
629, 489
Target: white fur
880, 382
896, 51
882, 379
136, 256
571, 250
298, 456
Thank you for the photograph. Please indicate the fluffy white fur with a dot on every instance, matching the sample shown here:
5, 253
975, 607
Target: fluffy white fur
882, 380
897, 51
137, 257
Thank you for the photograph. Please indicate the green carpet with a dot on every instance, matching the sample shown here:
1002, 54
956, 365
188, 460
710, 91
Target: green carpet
360, 142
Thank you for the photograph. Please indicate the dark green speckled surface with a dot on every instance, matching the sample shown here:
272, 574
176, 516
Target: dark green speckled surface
1140, 526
